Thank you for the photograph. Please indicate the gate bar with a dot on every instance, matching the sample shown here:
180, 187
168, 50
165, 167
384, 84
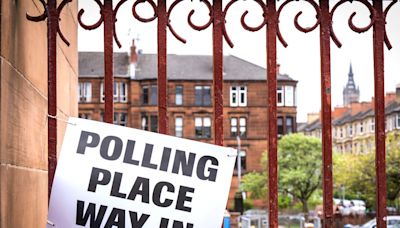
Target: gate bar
272, 24
218, 71
380, 164
162, 67
325, 51
52, 25
109, 21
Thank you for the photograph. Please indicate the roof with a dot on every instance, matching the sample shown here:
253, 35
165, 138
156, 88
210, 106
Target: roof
180, 67
91, 64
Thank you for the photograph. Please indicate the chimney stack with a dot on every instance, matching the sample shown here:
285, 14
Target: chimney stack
133, 53
133, 62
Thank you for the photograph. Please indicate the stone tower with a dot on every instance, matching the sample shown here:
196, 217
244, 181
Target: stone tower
351, 92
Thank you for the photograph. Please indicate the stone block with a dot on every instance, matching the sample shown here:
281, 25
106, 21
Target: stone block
23, 193
23, 121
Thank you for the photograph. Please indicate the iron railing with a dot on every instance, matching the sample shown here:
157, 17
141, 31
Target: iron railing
217, 13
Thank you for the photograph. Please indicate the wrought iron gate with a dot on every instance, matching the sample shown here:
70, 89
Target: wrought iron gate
217, 13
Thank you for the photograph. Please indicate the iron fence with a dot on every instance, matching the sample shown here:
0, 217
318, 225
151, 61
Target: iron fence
217, 13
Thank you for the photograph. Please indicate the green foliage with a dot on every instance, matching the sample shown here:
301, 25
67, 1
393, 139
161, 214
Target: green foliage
284, 201
256, 184
357, 173
300, 164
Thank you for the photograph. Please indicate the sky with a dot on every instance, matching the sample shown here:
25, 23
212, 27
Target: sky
300, 60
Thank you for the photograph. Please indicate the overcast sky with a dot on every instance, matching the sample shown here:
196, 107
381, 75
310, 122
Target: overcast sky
301, 59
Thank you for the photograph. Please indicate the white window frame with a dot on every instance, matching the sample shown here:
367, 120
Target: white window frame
242, 91
85, 92
398, 121
179, 126
123, 92
236, 98
102, 94
279, 90
289, 96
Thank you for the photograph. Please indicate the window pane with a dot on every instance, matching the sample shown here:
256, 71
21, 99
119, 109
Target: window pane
145, 123
102, 94
280, 96
115, 120
198, 95
178, 126
242, 122
280, 126
123, 92
115, 87
153, 123
198, 122
207, 95
154, 98
243, 96
289, 125
234, 94
233, 126
145, 94
207, 122
207, 132
289, 96
122, 119
178, 95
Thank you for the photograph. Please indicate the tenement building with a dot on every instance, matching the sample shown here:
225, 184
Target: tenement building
353, 126
190, 99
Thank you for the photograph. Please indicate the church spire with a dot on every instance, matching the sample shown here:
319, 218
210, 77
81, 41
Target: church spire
351, 93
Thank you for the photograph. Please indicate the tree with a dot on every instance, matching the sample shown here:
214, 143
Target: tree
300, 162
357, 173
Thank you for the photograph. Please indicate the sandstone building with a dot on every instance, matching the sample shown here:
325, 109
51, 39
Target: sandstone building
190, 99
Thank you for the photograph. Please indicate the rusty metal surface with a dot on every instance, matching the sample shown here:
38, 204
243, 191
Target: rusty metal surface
162, 67
379, 91
109, 22
52, 25
325, 50
218, 22
272, 115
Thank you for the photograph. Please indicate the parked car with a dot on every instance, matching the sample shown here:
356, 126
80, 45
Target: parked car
357, 207
391, 222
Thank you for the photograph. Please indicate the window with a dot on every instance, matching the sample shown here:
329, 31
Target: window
202, 95
372, 125
280, 96
120, 118
361, 127
242, 155
202, 127
85, 116
238, 96
398, 121
150, 122
350, 130
85, 91
289, 96
179, 127
234, 129
120, 90
289, 125
149, 95
238, 126
280, 126
179, 95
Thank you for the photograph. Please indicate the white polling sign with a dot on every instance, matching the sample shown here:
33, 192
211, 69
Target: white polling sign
113, 176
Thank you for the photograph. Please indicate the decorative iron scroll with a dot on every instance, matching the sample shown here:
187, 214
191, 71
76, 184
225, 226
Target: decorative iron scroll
207, 3
45, 15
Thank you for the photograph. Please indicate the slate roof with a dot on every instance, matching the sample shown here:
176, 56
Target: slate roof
180, 67
91, 64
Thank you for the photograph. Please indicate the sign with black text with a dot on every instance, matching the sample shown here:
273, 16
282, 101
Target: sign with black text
113, 176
